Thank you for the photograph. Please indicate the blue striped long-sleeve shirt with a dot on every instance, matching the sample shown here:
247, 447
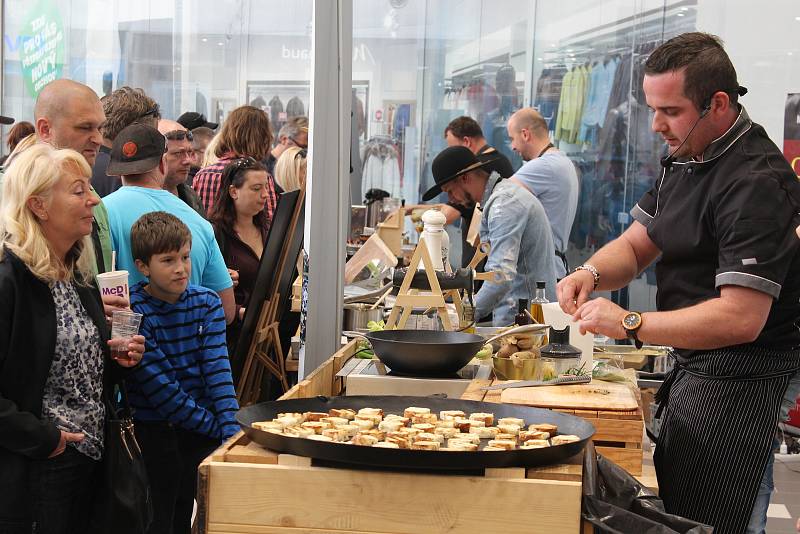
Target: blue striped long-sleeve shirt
184, 377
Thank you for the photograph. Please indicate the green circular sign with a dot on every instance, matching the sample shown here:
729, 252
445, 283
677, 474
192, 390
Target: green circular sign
42, 50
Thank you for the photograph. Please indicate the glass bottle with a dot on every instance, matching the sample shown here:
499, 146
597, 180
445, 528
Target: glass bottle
522, 317
536, 306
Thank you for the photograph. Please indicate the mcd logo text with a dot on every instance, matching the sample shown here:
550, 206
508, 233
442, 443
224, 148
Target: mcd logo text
118, 290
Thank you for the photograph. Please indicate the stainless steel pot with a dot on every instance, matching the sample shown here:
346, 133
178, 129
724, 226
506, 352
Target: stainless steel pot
356, 316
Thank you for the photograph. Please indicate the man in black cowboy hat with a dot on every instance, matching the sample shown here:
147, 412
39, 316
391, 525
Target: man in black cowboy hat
513, 223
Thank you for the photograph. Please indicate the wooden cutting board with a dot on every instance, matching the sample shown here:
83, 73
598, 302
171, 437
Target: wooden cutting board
595, 396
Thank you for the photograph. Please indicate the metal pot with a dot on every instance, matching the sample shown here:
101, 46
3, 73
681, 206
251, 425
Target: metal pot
356, 316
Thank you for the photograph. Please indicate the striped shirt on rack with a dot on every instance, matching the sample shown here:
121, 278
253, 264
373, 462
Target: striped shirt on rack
184, 377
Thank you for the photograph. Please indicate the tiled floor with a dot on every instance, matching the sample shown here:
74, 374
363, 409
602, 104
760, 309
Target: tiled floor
784, 509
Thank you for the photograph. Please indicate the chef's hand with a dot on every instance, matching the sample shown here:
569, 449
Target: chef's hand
574, 290
601, 316
112, 303
135, 351
234, 277
65, 438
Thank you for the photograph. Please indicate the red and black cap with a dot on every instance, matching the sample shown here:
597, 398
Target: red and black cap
136, 149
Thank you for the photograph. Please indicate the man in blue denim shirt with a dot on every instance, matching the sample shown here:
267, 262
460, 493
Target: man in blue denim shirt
514, 223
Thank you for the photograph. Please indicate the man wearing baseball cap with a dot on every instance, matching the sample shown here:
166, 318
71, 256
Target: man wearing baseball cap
137, 156
514, 224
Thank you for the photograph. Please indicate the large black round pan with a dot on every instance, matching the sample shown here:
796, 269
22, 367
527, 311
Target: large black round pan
424, 352
414, 459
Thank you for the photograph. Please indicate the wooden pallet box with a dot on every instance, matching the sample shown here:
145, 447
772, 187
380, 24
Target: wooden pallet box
244, 488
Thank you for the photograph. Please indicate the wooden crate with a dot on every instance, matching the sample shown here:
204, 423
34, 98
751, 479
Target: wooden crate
244, 488
323, 380
618, 435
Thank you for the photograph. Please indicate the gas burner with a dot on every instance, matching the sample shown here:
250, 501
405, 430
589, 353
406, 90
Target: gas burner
371, 377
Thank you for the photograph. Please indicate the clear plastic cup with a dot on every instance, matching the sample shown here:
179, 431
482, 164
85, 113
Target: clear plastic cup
124, 325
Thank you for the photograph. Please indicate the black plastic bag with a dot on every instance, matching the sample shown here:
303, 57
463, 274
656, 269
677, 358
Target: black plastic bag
616, 503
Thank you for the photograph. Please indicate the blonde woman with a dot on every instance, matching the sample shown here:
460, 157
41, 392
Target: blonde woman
24, 143
210, 154
290, 170
54, 355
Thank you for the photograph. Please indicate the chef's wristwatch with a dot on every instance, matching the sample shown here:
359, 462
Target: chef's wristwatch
631, 323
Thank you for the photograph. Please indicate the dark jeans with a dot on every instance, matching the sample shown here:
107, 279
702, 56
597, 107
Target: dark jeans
171, 456
62, 492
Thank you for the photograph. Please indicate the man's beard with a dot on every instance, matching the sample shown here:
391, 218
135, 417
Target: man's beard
469, 202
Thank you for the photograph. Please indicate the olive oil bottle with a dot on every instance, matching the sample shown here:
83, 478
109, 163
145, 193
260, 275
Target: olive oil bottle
536, 305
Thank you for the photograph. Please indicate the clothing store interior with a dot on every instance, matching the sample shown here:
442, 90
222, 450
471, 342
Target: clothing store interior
219, 215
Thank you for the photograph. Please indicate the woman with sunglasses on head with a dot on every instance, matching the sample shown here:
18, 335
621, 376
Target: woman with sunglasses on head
246, 133
239, 218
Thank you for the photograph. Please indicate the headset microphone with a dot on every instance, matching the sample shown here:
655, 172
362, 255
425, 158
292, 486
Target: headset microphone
669, 159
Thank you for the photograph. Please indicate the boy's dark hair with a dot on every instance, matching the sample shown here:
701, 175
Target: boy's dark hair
464, 127
708, 67
158, 232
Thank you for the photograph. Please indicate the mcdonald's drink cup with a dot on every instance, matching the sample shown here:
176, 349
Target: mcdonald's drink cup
114, 283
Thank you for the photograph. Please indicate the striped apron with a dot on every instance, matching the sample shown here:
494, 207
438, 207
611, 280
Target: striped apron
720, 415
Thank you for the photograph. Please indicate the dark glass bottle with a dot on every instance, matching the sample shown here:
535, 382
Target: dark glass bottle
522, 317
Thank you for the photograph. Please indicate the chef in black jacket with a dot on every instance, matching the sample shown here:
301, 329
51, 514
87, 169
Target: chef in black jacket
465, 131
721, 217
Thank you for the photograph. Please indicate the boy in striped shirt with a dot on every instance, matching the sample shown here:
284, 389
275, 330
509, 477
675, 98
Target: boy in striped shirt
182, 391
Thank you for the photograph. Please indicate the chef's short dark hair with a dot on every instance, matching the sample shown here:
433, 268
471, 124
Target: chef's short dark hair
464, 127
708, 67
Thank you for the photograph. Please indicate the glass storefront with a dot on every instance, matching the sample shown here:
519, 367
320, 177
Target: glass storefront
416, 65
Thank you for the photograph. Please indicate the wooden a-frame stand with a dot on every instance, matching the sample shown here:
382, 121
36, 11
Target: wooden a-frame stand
265, 351
409, 298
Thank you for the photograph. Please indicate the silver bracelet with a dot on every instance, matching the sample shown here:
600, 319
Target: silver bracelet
591, 269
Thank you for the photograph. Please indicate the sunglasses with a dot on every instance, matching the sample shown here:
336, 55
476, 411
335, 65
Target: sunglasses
152, 111
179, 135
244, 162
297, 144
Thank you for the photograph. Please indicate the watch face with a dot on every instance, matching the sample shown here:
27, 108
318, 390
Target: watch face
632, 321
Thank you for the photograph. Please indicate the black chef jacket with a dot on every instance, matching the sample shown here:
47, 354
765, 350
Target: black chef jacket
729, 220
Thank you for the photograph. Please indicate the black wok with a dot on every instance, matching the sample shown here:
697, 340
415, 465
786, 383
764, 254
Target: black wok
414, 459
424, 352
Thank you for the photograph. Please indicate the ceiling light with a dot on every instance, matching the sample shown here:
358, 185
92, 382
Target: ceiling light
221, 43
204, 39
681, 14
684, 9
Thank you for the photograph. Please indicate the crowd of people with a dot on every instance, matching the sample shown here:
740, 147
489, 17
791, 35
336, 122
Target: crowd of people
102, 185
93, 185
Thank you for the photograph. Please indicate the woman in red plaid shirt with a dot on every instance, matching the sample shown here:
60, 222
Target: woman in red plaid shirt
246, 132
